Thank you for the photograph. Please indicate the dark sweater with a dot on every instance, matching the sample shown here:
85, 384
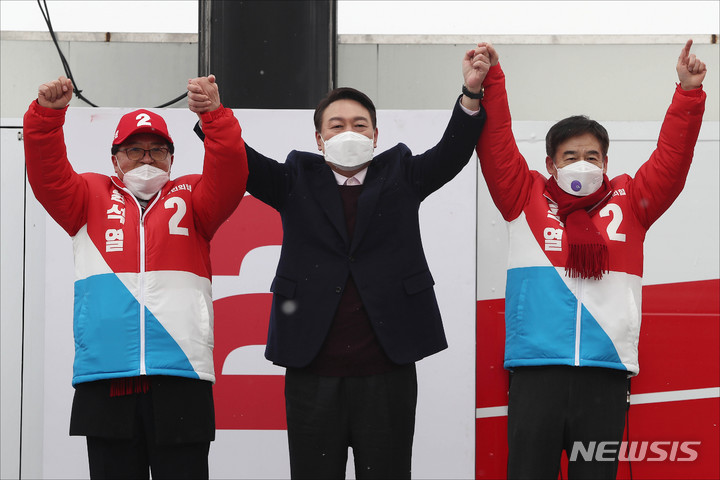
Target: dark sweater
351, 347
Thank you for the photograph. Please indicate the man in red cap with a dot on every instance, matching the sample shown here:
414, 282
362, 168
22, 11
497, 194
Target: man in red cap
143, 321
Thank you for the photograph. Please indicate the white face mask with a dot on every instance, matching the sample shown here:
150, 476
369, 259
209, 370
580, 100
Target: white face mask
348, 150
580, 178
145, 181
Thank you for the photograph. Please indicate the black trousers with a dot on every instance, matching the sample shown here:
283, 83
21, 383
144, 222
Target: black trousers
166, 430
375, 415
551, 407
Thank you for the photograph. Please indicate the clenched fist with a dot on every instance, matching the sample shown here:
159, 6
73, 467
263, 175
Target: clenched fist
55, 94
203, 94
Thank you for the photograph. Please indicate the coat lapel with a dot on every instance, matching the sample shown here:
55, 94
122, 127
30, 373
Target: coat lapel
367, 203
326, 193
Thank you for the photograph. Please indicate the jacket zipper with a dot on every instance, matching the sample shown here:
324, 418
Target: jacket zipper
141, 277
578, 317
141, 273
141, 292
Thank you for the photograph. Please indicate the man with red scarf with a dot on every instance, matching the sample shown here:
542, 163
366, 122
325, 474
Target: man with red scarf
574, 280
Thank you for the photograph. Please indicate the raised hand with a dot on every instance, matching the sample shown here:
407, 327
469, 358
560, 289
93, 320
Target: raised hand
492, 53
203, 94
475, 66
691, 71
55, 94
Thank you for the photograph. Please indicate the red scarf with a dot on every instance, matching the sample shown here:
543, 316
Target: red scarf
588, 256
129, 385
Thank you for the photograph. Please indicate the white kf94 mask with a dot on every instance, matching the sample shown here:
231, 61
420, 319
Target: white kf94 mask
145, 181
348, 150
580, 178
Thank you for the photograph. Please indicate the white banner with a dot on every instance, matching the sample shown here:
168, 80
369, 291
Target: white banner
257, 447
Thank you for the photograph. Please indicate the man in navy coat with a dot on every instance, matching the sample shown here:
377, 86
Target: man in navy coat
353, 302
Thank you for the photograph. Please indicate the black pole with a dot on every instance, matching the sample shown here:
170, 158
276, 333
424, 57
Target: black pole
269, 53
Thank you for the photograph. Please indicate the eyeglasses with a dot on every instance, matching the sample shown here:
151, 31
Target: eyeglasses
158, 154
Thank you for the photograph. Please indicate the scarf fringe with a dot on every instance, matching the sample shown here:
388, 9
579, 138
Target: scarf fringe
587, 261
128, 386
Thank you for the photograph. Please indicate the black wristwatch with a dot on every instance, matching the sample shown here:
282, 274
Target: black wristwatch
474, 96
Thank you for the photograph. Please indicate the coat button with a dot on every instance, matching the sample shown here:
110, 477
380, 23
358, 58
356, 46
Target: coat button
338, 289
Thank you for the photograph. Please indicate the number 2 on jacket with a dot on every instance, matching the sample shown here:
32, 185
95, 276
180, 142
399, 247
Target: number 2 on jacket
178, 203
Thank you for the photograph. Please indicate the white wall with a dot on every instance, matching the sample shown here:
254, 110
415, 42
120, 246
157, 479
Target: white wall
134, 70
12, 176
606, 77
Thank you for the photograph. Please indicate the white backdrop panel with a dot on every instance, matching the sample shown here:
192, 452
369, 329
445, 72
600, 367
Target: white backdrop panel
446, 381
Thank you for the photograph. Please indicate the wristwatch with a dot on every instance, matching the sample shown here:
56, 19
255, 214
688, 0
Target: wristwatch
474, 96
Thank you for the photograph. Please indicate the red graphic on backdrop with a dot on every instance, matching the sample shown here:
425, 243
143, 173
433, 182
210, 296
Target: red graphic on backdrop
678, 351
245, 402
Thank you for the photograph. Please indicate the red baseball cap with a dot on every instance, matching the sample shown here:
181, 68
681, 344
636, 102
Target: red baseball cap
140, 121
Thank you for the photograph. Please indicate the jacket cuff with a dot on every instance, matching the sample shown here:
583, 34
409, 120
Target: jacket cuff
494, 76
695, 92
41, 111
208, 117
